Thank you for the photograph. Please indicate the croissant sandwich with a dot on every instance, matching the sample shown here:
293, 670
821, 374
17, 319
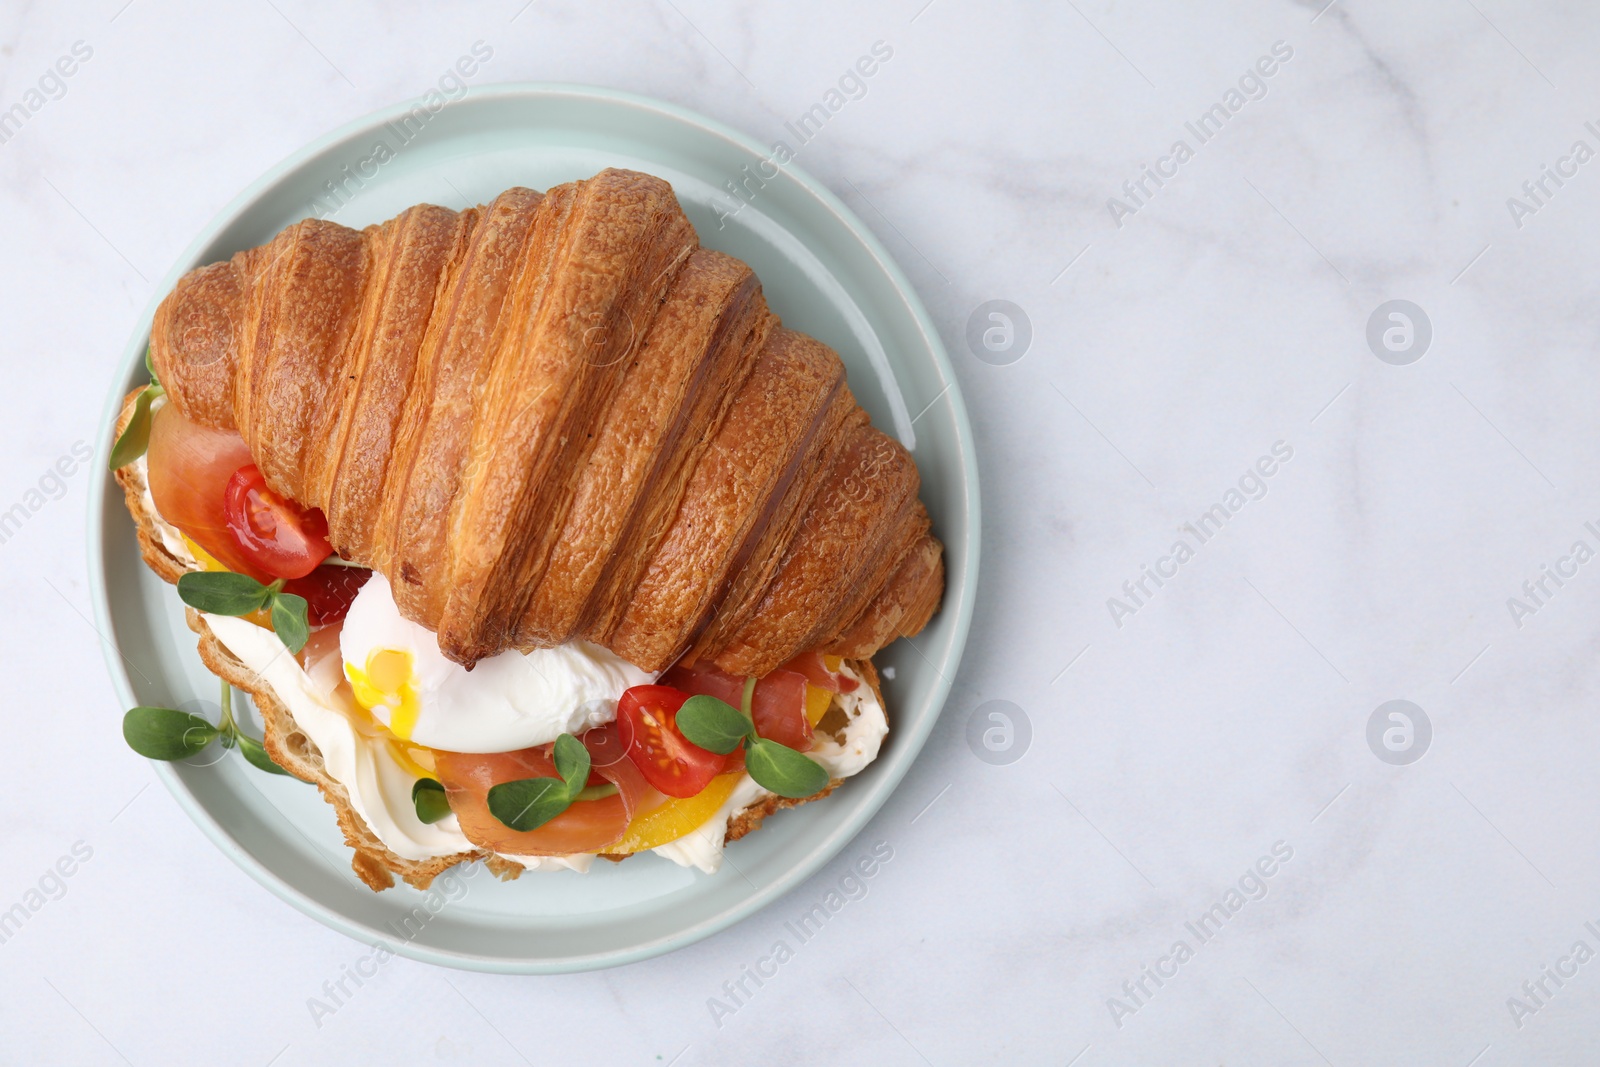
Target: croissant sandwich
532, 533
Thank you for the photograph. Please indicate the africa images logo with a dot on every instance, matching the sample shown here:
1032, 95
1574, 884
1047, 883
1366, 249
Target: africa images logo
1138, 192
1252, 485
851, 85
1251, 886
450, 87
51, 85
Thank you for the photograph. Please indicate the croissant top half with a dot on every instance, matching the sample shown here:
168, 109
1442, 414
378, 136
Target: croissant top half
556, 416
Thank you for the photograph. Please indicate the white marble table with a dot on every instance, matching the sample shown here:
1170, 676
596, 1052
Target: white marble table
1181, 733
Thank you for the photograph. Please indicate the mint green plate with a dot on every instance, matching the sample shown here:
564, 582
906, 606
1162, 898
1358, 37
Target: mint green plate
822, 272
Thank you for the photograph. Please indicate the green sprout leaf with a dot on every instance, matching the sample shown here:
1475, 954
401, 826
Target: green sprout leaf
151, 367
529, 803
430, 800
256, 753
714, 725
572, 763
222, 592
227, 593
135, 437
783, 770
598, 792
165, 733
289, 620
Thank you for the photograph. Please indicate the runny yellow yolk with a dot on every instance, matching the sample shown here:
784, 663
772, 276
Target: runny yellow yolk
418, 762
389, 682
413, 759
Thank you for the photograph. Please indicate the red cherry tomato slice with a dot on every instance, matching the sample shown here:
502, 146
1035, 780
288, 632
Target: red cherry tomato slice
778, 707
284, 539
329, 591
648, 718
707, 680
189, 469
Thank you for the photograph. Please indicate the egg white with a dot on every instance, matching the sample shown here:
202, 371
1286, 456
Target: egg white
507, 702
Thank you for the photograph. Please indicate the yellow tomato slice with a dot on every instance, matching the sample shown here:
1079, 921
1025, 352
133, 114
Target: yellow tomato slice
204, 558
675, 818
818, 700
208, 562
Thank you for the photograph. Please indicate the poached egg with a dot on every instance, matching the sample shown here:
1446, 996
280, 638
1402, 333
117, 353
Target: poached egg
510, 701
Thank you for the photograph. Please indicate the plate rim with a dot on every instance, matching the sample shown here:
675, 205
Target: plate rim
959, 599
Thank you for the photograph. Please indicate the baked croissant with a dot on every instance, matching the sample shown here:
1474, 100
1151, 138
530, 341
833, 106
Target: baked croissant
556, 416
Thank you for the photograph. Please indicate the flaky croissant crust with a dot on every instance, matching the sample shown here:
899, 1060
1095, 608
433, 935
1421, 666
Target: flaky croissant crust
556, 416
